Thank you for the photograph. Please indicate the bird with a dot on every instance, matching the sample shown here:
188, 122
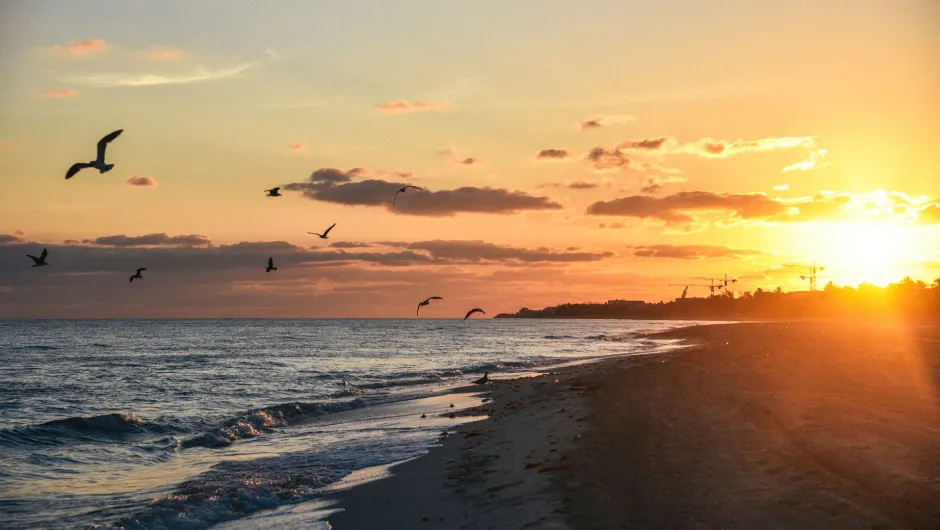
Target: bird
427, 301
324, 235
273, 192
472, 311
98, 163
271, 266
483, 380
137, 274
403, 190
41, 260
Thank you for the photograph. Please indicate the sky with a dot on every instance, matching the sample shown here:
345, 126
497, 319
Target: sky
569, 152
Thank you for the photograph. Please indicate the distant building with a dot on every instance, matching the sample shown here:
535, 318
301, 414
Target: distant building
625, 302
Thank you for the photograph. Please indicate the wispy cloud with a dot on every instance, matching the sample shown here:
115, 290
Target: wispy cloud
605, 120
84, 48
299, 147
141, 181
654, 183
815, 157
165, 54
201, 75
59, 94
401, 106
781, 187
712, 148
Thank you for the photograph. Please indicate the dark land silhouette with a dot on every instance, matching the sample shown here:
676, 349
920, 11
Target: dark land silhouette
907, 298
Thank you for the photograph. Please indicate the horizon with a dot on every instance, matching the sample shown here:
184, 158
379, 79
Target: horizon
569, 153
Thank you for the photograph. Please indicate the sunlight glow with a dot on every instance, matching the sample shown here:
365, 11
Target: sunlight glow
876, 253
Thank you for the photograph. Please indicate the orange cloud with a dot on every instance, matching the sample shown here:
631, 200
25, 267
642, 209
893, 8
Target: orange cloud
605, 160
59, 94
554, 154
814, 157
650, 144
712, 148
654, 183
400, 106
83, 48
141, 181
605, 121
693, 252
165, 54
299, 147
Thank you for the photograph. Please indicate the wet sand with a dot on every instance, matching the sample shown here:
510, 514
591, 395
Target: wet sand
766, 425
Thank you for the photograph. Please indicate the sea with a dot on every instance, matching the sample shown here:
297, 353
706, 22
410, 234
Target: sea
186, 424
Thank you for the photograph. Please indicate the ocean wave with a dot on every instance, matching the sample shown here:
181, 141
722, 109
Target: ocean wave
613, 337
558, 337
114, 426
253, 424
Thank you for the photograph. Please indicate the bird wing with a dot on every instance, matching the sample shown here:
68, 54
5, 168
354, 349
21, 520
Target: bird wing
272, 190
435, 298
270, 262
472, 311
34, 258
415, 187
396, 197
419, 309
45, 253
141, 270
328, 229
78, 166
103, 143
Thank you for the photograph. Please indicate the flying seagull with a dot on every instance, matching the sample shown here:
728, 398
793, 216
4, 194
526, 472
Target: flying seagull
324, 235
97, 163
273, 192
483, 380
472, 311
137, 274
271, 266
426, 302
403, 190
41, 260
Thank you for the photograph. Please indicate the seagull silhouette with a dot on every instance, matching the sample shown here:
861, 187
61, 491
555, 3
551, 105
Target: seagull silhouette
41, 260
472, 311
98, 163
271, 266
483, 380
403, 190
325, 234
273, 192
427, 301
137, 274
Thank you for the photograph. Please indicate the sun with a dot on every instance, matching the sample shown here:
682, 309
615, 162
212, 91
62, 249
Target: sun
871, 252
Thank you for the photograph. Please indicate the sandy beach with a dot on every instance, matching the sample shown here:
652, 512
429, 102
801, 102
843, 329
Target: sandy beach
764, 425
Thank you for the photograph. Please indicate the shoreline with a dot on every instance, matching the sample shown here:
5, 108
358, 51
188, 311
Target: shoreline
784, 425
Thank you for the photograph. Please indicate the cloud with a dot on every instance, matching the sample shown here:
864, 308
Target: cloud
781, 187
929, 214
649, 144
464, 160
351, 244
712, 148
141, 181
815, 157
401, 106
605, 160
576, 185
165, 54
299, 147
336, 186
10, 238
59, 94
693, 252
554, 154
614, 226
480, 251
85, 48
150, 240
654, 183
602, 120
201, 75
673, 208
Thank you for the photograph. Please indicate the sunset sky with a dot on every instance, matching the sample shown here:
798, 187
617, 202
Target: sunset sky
572, 151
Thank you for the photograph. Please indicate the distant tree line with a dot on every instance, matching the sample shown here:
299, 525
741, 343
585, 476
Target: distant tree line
907, 298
